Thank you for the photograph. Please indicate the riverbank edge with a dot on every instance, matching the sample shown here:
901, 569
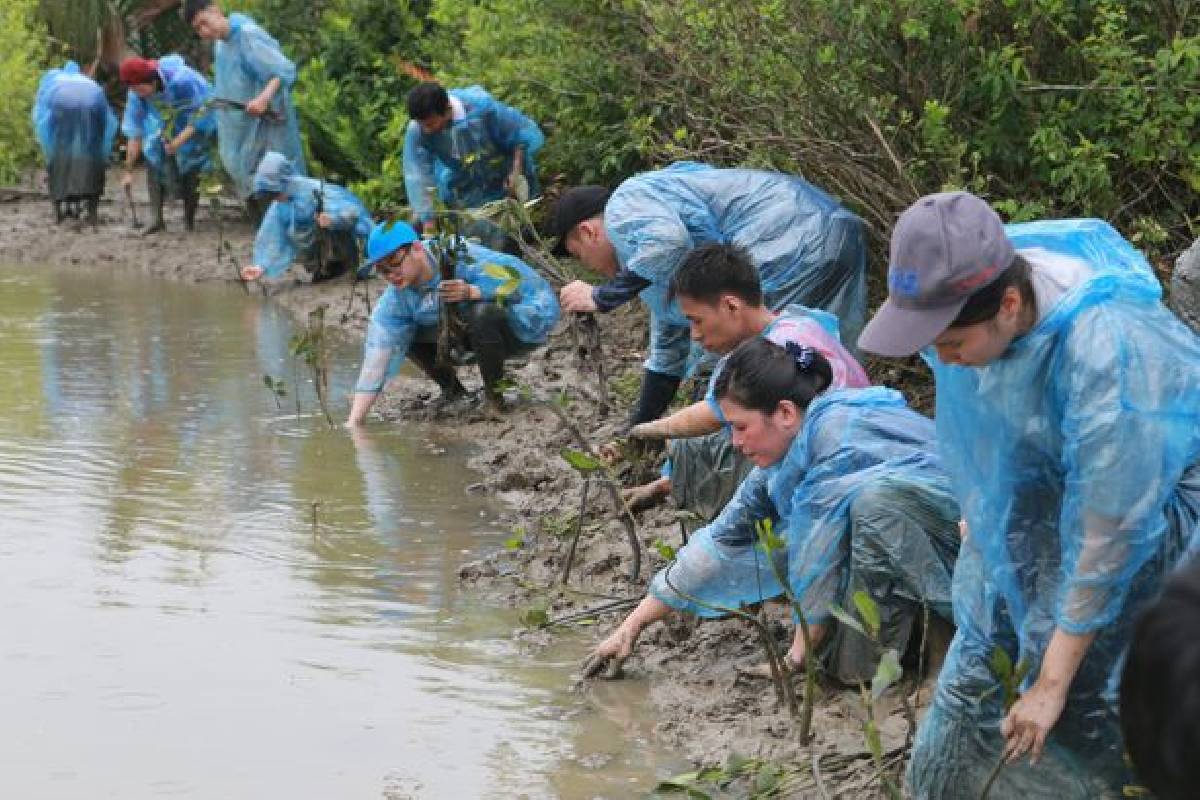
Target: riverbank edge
708, 709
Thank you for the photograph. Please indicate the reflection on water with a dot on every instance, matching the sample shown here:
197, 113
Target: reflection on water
207, 595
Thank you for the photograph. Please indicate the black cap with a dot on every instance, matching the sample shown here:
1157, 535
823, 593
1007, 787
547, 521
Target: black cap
576, 205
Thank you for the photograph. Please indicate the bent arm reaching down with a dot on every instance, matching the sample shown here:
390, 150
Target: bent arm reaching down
697, 419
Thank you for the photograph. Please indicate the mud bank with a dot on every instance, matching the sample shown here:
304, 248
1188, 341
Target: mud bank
709, 709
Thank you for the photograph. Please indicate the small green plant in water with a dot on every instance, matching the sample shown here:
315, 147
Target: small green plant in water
309, 345
277, 388
516, 541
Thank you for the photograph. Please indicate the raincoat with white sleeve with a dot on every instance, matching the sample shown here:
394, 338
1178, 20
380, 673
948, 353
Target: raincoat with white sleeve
75, 128
1076, 461
808, 249
860, 501
243, 63
531, 310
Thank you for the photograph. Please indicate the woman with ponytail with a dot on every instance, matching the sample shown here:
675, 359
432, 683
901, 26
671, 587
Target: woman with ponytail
849, 482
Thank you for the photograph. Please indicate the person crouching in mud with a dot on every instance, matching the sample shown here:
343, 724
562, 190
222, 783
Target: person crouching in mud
719, 292
506, 309
321, 225
849, 479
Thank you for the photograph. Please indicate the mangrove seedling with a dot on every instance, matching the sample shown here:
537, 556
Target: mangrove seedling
277, 388
309, 345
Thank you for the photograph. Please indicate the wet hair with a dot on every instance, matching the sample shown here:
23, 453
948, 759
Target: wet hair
759, 374
1160, 696
193, 7
426, 99
984, 304
714, 269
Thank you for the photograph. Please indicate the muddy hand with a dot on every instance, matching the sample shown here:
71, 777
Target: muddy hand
608, 657
640, 498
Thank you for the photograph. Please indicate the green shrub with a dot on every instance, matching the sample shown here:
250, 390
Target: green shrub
22, 57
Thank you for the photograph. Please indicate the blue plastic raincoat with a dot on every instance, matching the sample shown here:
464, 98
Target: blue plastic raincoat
183, 95
852, 442
807, 247
75, 128
289, 228
468, 161
532, 311
1076, 460
243, 64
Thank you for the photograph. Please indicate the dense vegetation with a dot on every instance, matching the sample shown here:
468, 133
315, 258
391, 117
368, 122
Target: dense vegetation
1049, 107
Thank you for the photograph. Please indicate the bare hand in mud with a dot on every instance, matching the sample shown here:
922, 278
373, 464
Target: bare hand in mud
252, 272
609, 656
324, 220
456, 291
577, 296
1030, 719
610, 453
639, 498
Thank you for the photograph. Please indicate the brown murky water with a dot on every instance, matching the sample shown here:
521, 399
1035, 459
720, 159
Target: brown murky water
175, 626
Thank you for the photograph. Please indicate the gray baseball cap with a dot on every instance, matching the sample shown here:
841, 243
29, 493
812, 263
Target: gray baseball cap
944, 248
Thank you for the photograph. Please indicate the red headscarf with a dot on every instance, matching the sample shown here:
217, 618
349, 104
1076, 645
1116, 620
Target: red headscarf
138, 70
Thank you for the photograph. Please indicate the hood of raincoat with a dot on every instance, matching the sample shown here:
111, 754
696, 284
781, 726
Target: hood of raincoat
273, 173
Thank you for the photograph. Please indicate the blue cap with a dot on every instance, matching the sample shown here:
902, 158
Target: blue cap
387, 238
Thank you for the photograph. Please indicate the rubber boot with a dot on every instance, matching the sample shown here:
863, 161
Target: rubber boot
93, 210
424, 355
487, 324
190, 188
155, 189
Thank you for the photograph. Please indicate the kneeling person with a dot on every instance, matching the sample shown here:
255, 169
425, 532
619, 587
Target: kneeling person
501, 320
850, 481
718, 290
321, 225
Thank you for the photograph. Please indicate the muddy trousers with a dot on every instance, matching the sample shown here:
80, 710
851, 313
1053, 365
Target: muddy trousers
485, 332
899, 545
161, 185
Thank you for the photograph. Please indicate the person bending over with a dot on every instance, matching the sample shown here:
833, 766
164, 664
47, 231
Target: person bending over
165, 121
850, 481
319, 224
718, 291
807, 249
1068, 415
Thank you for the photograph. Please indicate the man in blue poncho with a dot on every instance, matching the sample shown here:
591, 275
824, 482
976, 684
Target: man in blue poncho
1068, 415
808, 250
466, 148
851, 484
322, 225
75, 128
165, 121
506, 309
252, 94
